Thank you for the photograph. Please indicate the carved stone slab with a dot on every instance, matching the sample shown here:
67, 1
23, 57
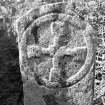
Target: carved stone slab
57, 52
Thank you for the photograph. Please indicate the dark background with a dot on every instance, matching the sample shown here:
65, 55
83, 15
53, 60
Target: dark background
11, 86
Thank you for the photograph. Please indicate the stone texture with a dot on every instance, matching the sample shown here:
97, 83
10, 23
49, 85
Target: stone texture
49, 32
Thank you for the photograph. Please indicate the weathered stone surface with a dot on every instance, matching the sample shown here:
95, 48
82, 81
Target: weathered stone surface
57, 49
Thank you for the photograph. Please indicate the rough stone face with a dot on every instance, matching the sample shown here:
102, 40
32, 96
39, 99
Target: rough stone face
57, 50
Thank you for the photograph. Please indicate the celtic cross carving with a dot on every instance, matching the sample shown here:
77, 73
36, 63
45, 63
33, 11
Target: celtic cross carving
58, 46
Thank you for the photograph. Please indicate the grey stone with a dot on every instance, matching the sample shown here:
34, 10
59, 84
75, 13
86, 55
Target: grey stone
60, 49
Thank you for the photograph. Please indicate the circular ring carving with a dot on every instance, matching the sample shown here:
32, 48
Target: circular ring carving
87, 33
